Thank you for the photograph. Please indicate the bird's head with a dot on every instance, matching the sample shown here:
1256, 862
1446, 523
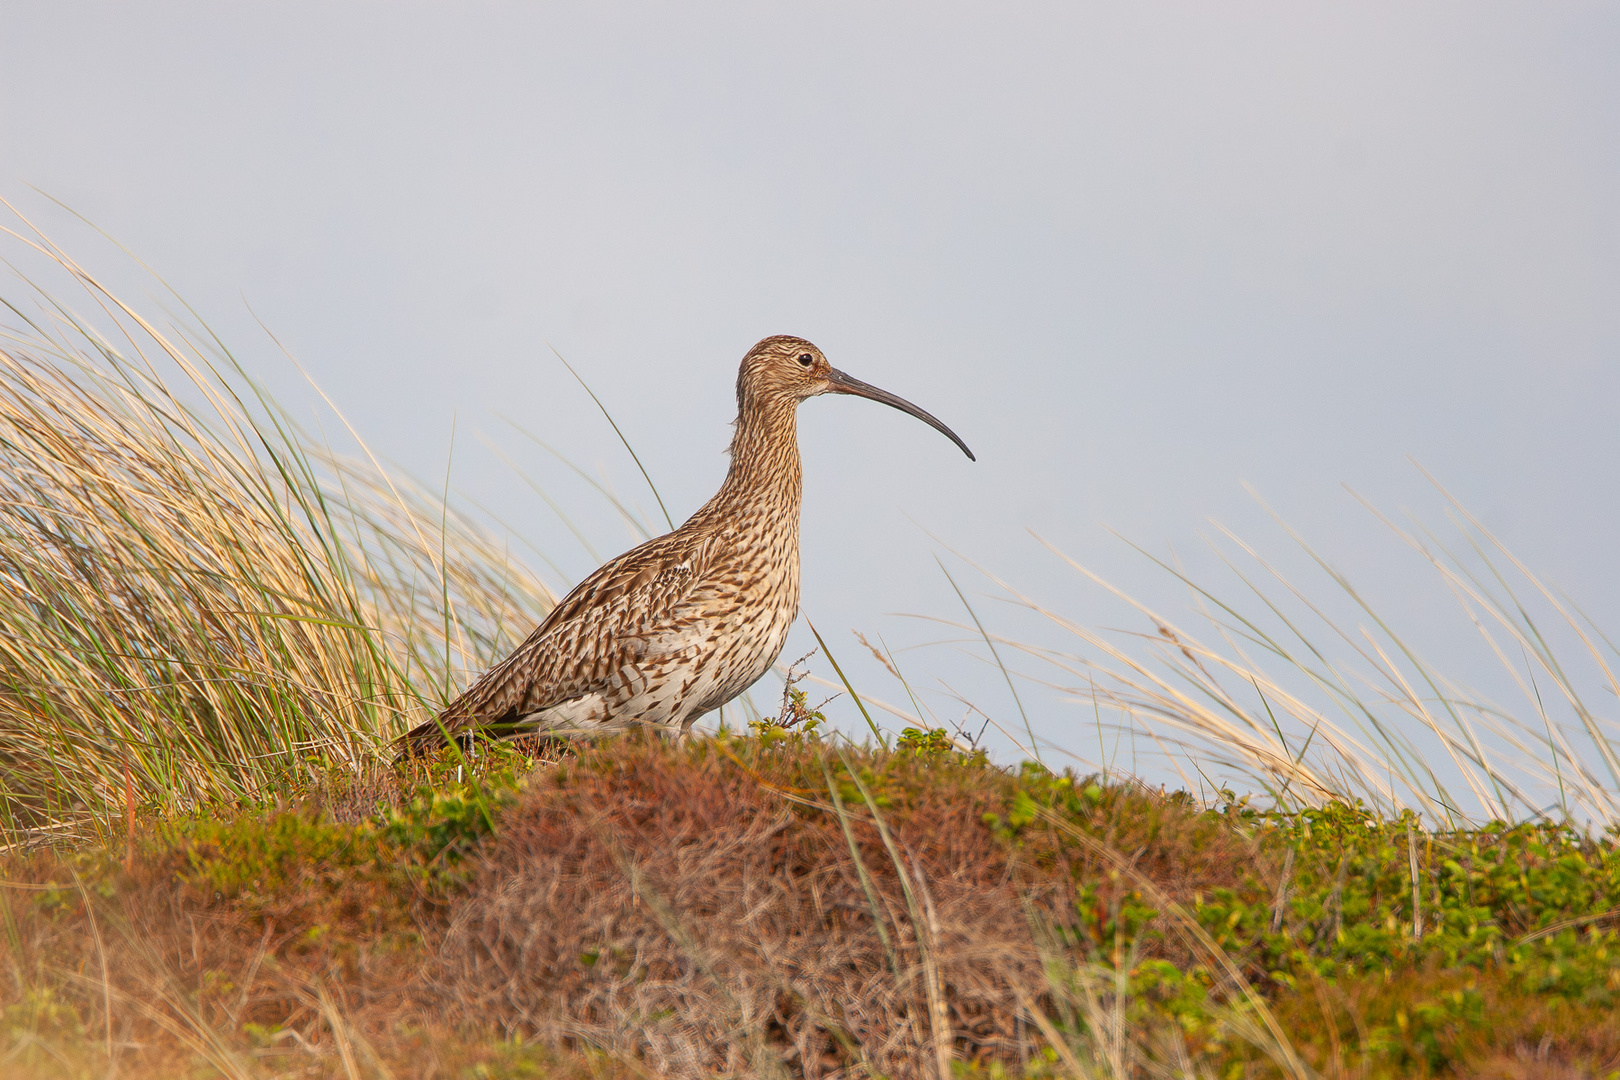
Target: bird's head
789, 369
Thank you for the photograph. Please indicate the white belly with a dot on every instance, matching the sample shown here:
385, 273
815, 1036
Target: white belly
674, 686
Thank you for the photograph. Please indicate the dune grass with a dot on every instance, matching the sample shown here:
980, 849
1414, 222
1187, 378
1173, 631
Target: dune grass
1307, 694
1313, 706
200, 602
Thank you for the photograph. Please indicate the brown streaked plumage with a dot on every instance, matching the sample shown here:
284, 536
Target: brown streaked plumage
684, 623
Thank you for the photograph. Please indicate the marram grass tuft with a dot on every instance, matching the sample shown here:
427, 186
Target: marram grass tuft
200, 603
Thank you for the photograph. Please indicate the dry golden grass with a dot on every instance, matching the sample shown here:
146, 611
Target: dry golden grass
1311, 696
200, 603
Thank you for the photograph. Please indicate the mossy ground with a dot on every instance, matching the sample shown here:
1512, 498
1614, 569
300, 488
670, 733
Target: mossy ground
758, 906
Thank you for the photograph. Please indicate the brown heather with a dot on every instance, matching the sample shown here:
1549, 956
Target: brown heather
642, 883
683, 911
696, 910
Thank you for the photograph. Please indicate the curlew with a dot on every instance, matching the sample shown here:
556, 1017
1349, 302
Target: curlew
684, 623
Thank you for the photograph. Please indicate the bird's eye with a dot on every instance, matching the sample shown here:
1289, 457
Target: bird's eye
805, 359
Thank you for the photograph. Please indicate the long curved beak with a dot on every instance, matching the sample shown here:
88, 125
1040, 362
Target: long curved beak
840, 383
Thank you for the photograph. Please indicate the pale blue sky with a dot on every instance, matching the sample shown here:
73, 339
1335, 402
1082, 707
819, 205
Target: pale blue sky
1137, 255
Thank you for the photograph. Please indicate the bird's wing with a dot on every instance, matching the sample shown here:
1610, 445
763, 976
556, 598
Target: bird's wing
621, 613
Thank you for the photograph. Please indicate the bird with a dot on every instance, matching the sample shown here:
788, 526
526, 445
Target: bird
687, 621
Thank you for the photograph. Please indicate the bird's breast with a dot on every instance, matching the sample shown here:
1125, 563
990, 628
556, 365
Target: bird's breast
750, 602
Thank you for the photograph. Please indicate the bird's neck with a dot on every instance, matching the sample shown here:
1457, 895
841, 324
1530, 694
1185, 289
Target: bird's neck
764, 479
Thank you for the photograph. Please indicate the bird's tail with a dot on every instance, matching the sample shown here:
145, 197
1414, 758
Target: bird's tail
429, 736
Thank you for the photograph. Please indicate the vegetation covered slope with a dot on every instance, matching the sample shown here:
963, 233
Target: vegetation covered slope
212, 626
781, 906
